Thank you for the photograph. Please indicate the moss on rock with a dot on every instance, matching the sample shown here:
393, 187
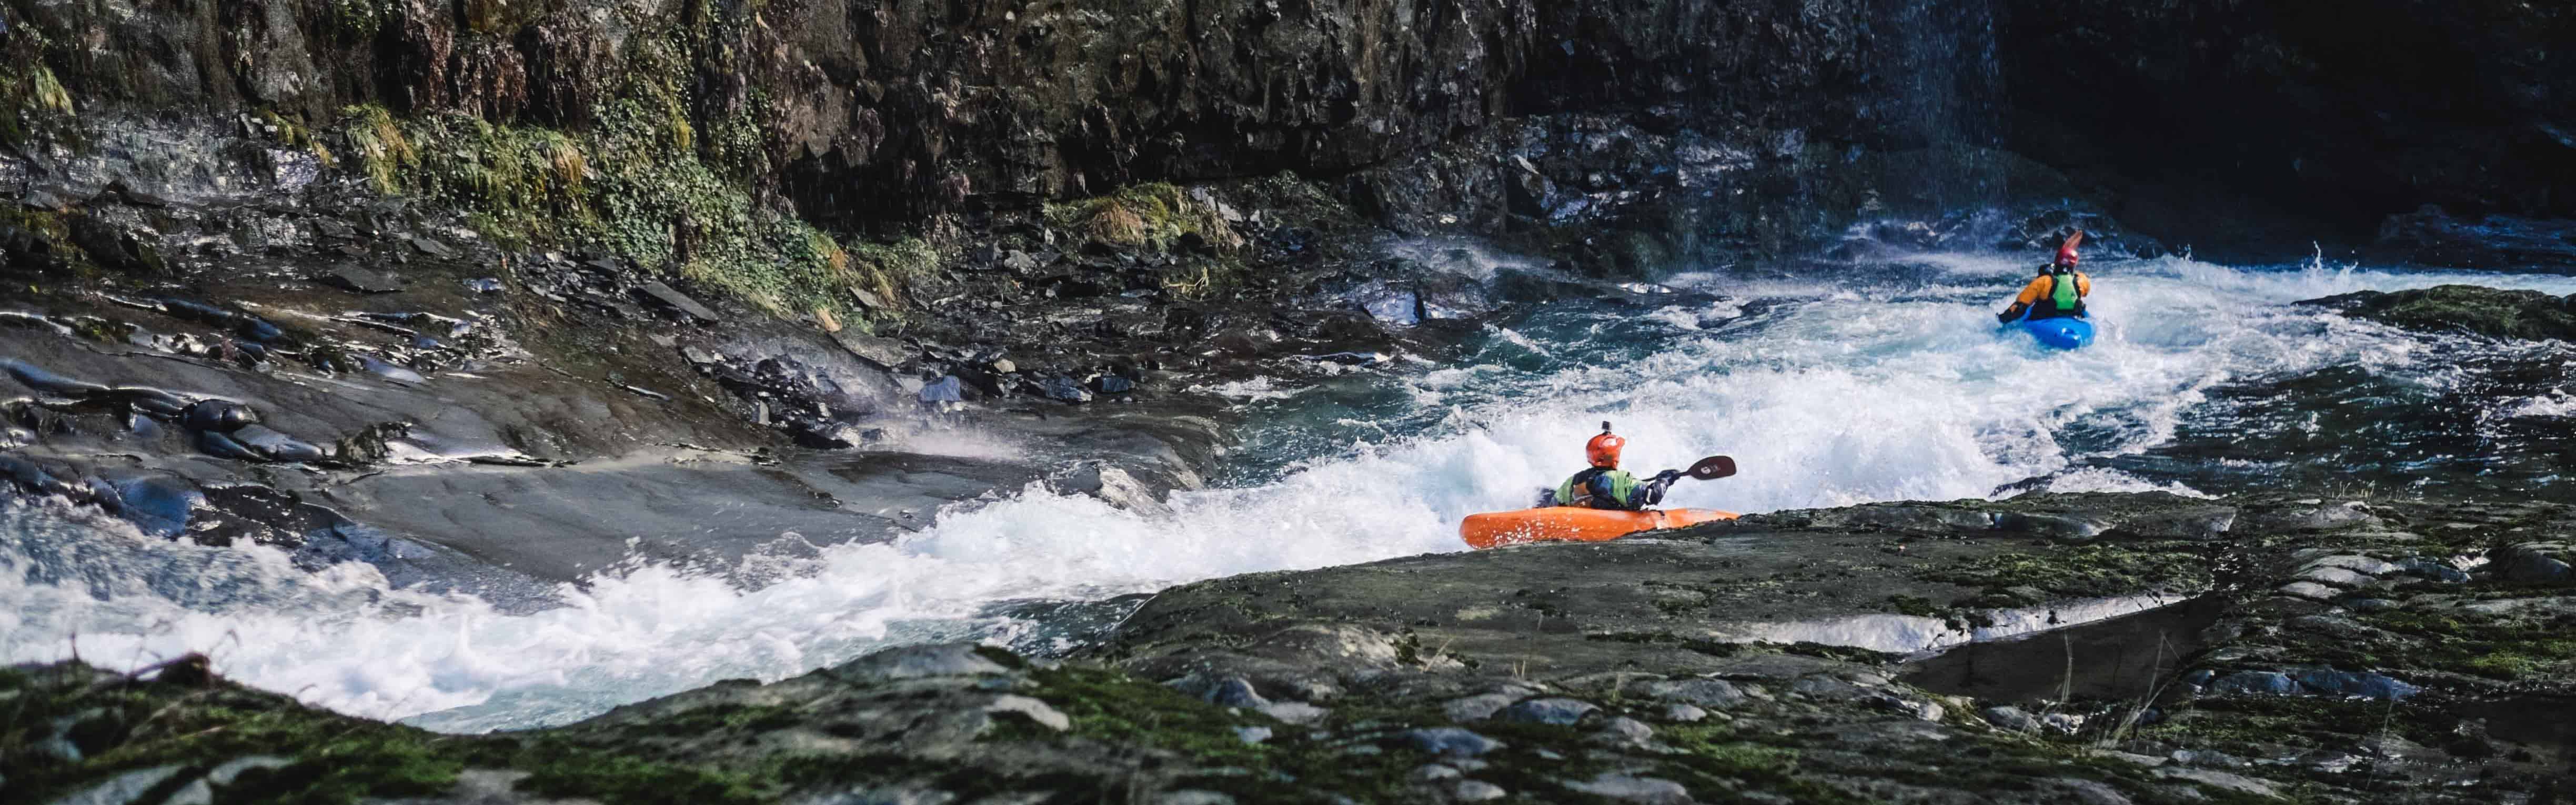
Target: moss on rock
2485, 311
632, 185
1154, 215
2081, 570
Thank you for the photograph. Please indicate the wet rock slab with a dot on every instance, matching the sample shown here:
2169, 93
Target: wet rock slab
2464, 308
1884, 578
1399, 682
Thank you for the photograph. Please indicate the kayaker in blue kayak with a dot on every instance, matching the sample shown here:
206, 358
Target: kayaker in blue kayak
2058, 291
1604, 485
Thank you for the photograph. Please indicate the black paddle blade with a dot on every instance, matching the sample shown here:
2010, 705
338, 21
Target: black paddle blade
1712, 468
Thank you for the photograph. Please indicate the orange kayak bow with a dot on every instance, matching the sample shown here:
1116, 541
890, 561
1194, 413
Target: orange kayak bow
1574, 524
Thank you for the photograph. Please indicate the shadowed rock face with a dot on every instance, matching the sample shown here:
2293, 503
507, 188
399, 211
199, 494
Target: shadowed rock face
943, 106
2337, 648
2333, 114
1688, 129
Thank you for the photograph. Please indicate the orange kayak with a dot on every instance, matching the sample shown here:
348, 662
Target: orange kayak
1574, 524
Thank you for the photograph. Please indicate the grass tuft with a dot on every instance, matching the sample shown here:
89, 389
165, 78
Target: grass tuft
1154, 215
47, 93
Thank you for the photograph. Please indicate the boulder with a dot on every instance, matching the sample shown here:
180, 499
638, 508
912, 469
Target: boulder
665, 296
219, 416
1716, 694
1557, 711
2008, 718
1452, 741
909, 662
2491, 312
1624, 730
275, 446
2534, 562
2256, 683
2351, 684
1477, 708
364, 281
1626, 788
118, 244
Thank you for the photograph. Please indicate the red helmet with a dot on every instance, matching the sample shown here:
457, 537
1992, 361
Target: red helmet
2066, 253
1603, 450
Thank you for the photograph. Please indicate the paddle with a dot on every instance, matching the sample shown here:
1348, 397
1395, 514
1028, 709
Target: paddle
1711, 468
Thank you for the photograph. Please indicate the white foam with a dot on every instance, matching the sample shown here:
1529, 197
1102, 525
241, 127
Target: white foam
1253, 390
1833, 395
1917, 634
2556, 403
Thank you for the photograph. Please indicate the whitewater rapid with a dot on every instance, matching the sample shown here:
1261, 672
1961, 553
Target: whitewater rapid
1828, 391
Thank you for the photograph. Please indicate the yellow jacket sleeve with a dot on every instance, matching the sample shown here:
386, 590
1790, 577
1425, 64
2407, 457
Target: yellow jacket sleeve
2030, 294
2083, 284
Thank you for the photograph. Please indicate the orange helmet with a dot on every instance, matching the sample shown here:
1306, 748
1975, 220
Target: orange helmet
2066, 252
1603, 450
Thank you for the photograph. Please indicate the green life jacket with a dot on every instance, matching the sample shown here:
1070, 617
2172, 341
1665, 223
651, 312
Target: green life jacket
1623, 488
2062, 292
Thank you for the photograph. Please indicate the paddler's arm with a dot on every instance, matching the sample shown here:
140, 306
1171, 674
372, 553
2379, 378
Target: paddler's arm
1652, 491
2030, 295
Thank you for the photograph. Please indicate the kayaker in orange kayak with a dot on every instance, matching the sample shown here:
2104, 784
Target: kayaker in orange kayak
1604, 485
2057, 292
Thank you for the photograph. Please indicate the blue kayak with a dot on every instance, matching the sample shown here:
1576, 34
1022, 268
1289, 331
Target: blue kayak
2059, 333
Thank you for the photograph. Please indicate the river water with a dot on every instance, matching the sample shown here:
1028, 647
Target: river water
1850, 384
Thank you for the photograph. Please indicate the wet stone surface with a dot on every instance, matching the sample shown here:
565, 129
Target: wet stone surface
1364, 684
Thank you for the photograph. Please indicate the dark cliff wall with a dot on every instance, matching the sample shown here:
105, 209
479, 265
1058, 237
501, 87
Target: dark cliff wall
2343, 112
859, 112
870, 109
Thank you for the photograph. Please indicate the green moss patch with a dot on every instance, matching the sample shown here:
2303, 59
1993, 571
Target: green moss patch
2089, 571
2506, 648
1155, 215
1109, 705
1162, 217
2246, 724
120, 725
615, 778
641, 180
2487, 311
634, 186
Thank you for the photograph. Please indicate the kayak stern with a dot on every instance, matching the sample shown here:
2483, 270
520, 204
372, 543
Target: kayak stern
2060, 333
